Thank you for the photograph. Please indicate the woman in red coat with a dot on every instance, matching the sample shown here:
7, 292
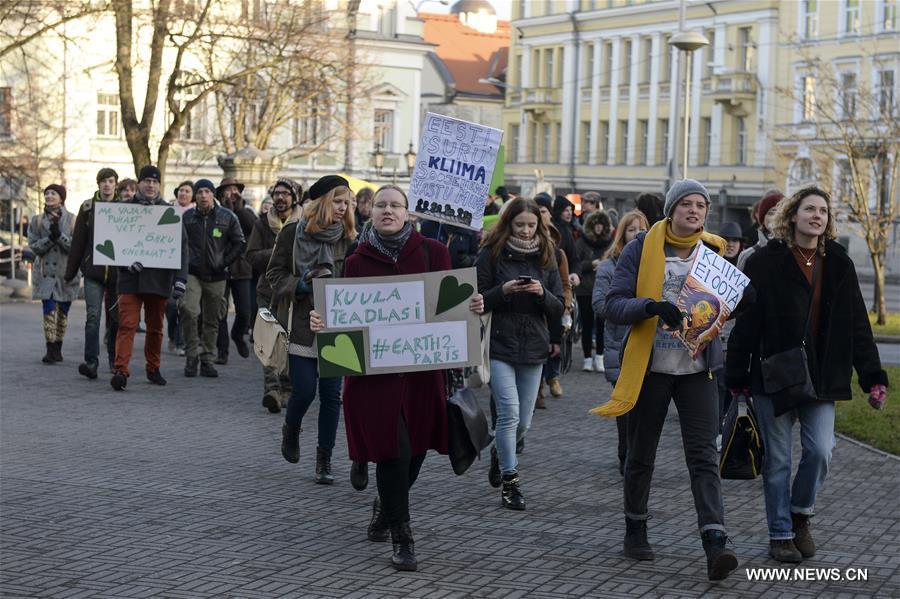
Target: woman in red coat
394, 419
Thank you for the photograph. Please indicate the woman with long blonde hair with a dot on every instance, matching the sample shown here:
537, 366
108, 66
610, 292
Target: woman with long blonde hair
312, 248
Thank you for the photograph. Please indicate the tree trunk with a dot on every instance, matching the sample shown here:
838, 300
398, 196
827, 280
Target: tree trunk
879, 307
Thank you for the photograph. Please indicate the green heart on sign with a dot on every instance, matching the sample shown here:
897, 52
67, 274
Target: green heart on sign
107, 249
169, 218
342, 353
451, 294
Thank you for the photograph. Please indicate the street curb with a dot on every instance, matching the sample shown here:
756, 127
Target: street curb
867, 446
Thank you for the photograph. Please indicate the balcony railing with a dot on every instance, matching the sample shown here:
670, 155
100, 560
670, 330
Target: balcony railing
733, 88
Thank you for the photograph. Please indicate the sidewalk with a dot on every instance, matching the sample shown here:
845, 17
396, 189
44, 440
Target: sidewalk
181, 492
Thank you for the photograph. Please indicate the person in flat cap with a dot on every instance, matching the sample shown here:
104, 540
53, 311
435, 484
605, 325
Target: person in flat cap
658, 368
312, 248
285, 196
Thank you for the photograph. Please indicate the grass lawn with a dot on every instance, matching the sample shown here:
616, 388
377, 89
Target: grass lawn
880, 429
891, 327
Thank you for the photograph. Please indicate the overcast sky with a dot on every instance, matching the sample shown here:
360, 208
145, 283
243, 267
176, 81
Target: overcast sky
503, 7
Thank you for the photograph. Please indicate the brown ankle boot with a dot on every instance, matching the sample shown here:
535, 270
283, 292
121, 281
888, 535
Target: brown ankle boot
802, 536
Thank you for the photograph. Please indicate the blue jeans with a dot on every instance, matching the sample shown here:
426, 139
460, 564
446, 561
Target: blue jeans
93, 299
304, 376
816, 440
551, 368
515, 388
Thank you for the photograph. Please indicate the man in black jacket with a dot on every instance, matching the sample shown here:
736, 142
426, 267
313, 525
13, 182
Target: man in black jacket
215, 240
98, 280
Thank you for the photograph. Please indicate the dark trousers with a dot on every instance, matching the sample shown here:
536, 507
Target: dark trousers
622, 429
698, 411
173, 323
304, 380
591, 326
396, 477
240, 295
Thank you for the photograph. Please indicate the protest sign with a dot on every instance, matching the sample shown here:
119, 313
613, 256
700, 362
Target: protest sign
711, 292
452, 176
128, 233
405, 323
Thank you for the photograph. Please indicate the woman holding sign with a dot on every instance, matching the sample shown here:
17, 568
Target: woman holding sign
656, 367
312, 248
394, 419
808, 294
519, 277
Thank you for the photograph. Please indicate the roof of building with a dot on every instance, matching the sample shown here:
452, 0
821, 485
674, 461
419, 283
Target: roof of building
468, 55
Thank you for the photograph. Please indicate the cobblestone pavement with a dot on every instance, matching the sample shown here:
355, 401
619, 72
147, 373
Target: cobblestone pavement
181, 492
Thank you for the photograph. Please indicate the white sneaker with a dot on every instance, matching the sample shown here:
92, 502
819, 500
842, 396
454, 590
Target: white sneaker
598, 364
588, 366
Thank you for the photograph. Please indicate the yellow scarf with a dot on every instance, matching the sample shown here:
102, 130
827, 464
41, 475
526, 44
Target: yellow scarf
651, 272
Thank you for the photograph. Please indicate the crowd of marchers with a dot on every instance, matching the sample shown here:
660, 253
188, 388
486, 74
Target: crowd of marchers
544, 273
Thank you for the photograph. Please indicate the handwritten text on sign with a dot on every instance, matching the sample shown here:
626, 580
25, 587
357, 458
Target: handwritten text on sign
417, 344
452, 176
128, 233
353, 306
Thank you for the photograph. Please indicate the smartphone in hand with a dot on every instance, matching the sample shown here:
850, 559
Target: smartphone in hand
525, 280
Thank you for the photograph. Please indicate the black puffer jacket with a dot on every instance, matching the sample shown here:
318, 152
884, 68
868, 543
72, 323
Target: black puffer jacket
775, 323
519, 332
241, 268
590, 248
215, 240
81, 254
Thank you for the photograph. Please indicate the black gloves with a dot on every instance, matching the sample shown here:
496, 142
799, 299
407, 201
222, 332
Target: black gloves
135, 267
54, 230
178, 289
667, 312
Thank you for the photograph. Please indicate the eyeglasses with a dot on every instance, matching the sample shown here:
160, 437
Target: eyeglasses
281, 194
392, 205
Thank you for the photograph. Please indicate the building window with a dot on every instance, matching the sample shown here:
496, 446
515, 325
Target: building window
533, 147
625, 68
741, 147
514, 144
643, 132
545, 146
889, 15
810, 11
623, 143
548, 7
886, 93
603, 150
384, 129
746, 47
108, 115
585, 142
663, 141
194, 127
608, 54
536, 68
844, 185
558, 76
5, 111
709, 52
666, 59
809, 98
518, 70
307, 125
848, 95
706, 129
548, 67
851, 17
646, 59
589, 65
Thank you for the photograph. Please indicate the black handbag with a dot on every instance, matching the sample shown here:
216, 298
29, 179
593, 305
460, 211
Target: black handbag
786, 375
467, 430
742, 445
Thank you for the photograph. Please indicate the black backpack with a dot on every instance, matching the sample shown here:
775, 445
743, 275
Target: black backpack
742, 445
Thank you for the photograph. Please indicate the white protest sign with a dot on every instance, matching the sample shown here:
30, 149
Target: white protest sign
350, 306
417, 344
129, 233
452, 177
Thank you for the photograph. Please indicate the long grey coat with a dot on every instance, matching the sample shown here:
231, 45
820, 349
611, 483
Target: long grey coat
50, 265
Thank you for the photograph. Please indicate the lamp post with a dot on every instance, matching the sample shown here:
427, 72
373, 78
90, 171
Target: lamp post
410, 159
687, 42
378, 155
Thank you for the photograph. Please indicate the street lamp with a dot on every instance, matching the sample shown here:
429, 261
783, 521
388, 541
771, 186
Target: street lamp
410, 159
687, 41
378, 155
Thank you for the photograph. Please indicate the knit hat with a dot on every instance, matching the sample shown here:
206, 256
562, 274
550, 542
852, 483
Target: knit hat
289, 184
731, 230
58, 189
150, 172
684, 187
544, 199
204, 184
769, 201
326, 184
106, 173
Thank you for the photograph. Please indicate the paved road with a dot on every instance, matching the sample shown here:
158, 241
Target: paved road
181, 492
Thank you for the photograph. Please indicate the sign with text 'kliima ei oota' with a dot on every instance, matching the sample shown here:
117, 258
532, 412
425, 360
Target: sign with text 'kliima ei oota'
129, 233
452, 177
405, 323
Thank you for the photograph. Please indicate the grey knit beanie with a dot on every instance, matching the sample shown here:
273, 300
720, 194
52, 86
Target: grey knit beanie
682, 188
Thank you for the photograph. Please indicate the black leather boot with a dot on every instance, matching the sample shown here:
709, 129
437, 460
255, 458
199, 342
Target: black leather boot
510, 495
290, 443
359, 475
720, 560
803, 540
636, 545
49, 356
378, 530
323, 466
404, 558
494, 471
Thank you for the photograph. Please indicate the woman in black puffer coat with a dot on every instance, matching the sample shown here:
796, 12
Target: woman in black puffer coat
592, 247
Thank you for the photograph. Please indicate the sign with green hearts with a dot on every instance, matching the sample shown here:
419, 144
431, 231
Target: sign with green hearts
127, 233
401, 323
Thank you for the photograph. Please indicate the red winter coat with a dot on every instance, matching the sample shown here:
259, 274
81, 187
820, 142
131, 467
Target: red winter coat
373, 403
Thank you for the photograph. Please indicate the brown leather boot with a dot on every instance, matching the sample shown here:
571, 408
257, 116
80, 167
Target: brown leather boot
803, 540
